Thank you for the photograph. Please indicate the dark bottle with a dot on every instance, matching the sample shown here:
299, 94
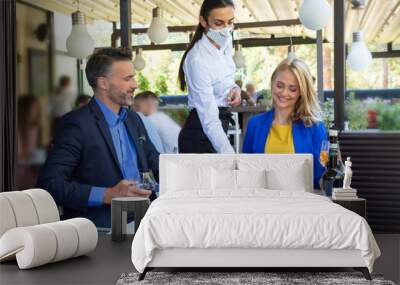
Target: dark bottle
333, 176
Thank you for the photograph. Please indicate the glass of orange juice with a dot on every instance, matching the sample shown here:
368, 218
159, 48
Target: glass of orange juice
324, 153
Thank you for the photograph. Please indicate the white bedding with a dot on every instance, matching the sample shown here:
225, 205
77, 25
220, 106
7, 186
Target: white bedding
252, 218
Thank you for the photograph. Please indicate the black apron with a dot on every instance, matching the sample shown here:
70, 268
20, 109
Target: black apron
192, 138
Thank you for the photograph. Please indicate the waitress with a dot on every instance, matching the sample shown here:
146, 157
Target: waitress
207, 70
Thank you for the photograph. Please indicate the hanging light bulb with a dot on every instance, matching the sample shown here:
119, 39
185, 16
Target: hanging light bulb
359, 56
79, 43
238, 57
139, 63
315, 14
291, 55
158, 31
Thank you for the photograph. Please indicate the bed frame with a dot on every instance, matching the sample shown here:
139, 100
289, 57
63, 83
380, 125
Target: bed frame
246, 259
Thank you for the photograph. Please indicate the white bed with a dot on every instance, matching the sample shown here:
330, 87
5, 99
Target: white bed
221, 211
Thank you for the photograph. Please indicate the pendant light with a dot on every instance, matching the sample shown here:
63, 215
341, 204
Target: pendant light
315, 14
238, 57
139, 63
158, 31
359, 56
79, 43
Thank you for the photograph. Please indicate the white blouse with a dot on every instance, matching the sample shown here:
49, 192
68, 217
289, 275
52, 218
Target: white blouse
210, 75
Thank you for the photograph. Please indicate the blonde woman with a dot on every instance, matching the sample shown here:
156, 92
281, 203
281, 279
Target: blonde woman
294, 124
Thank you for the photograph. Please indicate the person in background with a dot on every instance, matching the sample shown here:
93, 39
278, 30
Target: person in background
245, 97
207, 70
251, 92
294, 125
168, 130
28, 131
100, 150
82, 100
144, 106
62, 100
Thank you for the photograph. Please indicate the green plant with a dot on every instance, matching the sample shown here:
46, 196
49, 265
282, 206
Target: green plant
388, 116
328, 113
265, 94
143, 82
357, 113
161, 85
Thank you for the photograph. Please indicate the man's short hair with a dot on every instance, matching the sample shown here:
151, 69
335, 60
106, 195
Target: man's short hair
64, 80
82, 99
145, 95
100, 62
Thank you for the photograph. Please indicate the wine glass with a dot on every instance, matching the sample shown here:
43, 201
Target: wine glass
147, 181
324, 153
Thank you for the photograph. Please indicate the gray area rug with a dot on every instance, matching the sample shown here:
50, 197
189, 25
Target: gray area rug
269, 278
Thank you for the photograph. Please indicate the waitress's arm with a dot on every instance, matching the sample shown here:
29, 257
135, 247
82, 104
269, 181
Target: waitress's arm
199, 82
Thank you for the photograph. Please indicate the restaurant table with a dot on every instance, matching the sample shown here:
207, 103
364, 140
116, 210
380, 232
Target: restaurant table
104, 265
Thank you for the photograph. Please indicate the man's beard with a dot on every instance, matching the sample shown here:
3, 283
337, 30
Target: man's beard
122, 98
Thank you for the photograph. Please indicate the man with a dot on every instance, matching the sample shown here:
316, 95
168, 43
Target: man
249, 100
251, 92
100, 149
168, 130
144, 107
82, 100
61, 101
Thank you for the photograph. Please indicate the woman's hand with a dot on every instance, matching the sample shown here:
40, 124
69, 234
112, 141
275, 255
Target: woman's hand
234, 98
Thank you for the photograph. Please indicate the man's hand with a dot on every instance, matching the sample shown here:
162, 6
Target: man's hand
125, 188
234, 98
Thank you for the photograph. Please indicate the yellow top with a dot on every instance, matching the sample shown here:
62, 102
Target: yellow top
280, 139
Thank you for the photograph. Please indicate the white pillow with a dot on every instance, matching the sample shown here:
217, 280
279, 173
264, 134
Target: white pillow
251, 179
281, 173
183, 177
292, 177
223, 179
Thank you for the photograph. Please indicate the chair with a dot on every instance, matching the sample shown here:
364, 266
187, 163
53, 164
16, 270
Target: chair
31, 231
235, 131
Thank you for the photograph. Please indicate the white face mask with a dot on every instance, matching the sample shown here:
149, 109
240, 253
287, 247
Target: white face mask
222, 36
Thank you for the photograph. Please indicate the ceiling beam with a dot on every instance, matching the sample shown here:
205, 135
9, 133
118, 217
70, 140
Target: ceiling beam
386, 54
183, 18
88, 10
386, 22
248, 25
250, 42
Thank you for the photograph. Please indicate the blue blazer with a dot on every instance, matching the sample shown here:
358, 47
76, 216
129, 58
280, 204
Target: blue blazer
306, 139
82, 155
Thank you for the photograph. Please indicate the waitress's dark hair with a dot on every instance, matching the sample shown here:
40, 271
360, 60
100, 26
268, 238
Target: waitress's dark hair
206, 8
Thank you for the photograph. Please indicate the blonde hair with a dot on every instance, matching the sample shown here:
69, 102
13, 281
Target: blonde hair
307, 107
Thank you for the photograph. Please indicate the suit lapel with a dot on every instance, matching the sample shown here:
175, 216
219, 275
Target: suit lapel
105, 131
139, 140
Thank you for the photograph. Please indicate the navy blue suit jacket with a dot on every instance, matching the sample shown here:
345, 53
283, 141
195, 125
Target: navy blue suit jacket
305, 139
83, 155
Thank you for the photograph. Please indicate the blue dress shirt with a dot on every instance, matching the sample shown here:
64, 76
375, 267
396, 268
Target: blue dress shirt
124, 147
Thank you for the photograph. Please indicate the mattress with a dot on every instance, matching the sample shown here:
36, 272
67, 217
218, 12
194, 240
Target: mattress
250, 219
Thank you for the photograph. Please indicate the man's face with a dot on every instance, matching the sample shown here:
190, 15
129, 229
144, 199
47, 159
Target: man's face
147, 107
250, 89
122, 83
